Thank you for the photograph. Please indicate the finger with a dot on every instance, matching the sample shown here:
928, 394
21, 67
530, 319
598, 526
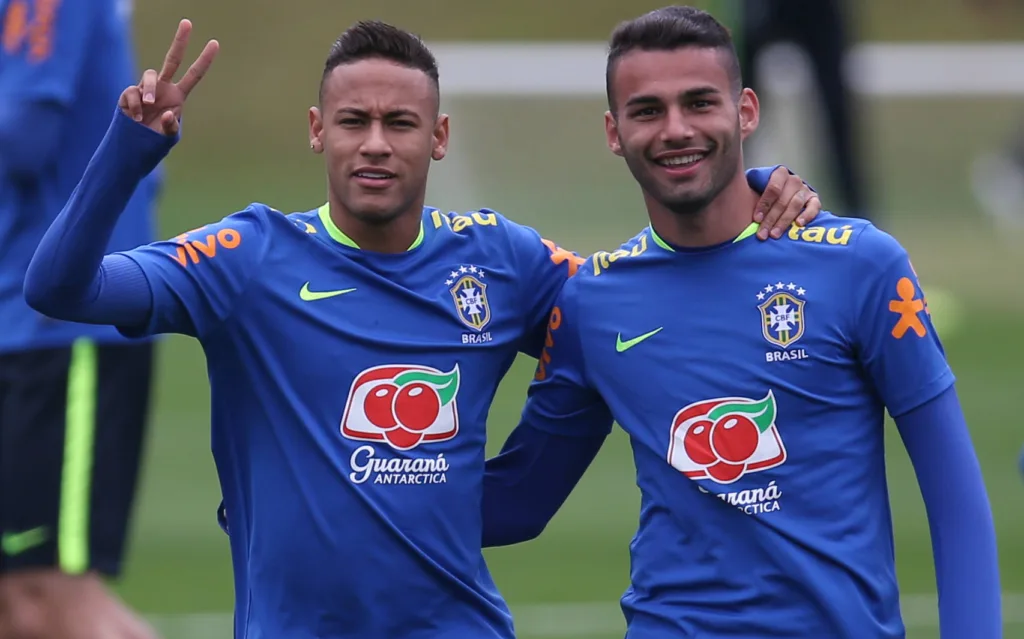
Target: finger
772, 218
771, 193
169, 123
811, 209
176, 53
131, 101
199, 68
789, 214
782, 190
148, 86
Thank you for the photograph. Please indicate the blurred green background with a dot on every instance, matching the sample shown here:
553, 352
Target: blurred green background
543, 162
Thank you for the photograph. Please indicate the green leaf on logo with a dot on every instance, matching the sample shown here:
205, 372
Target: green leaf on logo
446, 384
761, 412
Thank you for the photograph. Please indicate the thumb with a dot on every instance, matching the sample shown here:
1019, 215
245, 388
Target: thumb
169, 123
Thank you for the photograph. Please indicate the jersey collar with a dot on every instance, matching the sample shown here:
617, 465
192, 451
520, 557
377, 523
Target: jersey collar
338, 236
747, 232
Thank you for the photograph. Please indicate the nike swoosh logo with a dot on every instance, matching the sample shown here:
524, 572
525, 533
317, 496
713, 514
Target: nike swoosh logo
311, 296
17, 543
623, 346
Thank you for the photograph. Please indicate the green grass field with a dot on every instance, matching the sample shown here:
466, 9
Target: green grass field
544, 163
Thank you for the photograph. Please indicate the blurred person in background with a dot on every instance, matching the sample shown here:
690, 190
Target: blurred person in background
821, 28
74, 397
997, 176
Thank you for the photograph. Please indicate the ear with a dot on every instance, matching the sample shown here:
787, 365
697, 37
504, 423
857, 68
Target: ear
611, 132
316, 130
750, 112
441, 133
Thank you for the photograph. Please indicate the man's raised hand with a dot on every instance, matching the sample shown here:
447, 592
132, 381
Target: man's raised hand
157, 101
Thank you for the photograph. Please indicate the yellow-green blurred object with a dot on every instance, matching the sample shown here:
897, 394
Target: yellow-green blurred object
947, 312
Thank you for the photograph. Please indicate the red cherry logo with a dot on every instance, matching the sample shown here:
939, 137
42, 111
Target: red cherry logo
734, 438
402, 439
697, 443
417, 406
377, 405
725, 472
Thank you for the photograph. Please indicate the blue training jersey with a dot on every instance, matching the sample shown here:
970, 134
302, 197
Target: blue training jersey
752, 379
350, 391
77, 55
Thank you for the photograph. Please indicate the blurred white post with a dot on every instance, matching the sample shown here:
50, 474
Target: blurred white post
559, 69
554, 70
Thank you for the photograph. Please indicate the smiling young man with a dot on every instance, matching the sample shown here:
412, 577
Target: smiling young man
353, 350
753, 380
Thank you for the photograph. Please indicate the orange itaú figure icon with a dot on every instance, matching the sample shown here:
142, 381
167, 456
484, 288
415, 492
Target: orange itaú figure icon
908, 307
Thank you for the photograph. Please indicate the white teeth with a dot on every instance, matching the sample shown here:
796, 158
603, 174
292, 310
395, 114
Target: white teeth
375, 176
681, 160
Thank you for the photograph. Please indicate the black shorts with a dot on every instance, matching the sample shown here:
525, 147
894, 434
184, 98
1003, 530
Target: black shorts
72, 424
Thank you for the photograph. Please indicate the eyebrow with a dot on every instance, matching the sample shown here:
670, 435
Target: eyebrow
698, 92
390, 115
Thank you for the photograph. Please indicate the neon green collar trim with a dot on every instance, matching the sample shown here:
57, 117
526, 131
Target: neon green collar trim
747, 232
338, 236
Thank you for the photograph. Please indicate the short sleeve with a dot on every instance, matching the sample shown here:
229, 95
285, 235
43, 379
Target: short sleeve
543, 268
560, 399
45, 44
198, 277
896, 341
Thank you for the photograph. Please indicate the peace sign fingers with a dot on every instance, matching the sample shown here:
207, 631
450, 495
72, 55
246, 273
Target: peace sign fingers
177, 51
157, 102
199, 68
176, 54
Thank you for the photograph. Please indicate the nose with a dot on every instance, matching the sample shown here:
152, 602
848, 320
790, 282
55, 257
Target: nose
678, 129
376, 144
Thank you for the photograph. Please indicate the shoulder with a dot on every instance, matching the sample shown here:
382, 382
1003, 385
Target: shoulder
856, 239
605, 272
850, 253
305, 221
480, 226
252, 220
828, 231
630, 255
247, 229
877, 249
503, 237
269, 220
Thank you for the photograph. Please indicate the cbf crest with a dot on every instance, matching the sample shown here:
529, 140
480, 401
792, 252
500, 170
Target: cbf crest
469, 293
783, 318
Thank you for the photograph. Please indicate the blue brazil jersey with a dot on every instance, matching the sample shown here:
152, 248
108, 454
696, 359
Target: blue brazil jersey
752, 379
78, 55
350, 391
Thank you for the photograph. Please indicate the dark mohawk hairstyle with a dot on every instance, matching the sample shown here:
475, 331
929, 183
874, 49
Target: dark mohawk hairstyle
374, 39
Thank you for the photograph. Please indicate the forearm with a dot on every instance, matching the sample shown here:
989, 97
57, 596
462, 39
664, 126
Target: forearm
30, 133
68, 277
959, 516
526, 484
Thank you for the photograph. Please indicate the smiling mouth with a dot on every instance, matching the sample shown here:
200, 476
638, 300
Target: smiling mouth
679, 161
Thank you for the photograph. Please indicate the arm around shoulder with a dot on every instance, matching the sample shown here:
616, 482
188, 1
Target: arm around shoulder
563, 426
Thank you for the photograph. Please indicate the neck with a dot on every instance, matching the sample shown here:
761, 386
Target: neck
394, 236
724, 219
